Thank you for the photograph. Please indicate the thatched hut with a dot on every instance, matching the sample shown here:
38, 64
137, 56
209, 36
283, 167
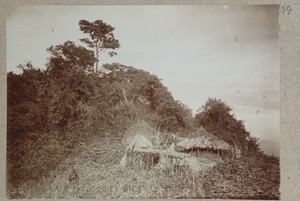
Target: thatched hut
138, 153
144, 149
142, 142
202, 143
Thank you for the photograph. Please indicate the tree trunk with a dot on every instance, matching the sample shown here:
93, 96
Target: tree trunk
97, 56
96, 47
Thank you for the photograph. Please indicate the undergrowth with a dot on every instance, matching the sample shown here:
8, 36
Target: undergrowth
100, 176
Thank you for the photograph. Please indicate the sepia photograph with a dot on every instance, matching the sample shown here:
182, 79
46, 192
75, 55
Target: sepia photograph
143, 102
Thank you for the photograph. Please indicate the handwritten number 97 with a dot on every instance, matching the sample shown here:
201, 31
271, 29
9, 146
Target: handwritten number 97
286, 10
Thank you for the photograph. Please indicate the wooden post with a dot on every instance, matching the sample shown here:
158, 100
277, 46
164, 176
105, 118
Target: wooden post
194, 186
147, 161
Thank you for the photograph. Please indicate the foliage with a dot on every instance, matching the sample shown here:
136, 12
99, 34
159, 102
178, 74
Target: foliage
149, 98
70, 96
54, 110
216, 117
48, 114
174, 117
24, 113
67, 55
254, 145
101, 37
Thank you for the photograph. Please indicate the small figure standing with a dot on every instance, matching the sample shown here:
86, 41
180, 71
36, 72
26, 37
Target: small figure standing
73, 176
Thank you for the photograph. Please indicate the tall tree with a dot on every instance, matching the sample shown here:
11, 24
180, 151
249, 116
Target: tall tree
101, 37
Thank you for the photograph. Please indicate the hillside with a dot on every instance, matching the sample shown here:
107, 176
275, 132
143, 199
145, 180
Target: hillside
255, 178
74, 148
70, 125
93, 171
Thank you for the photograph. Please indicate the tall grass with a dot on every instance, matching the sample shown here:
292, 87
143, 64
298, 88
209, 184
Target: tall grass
100, 176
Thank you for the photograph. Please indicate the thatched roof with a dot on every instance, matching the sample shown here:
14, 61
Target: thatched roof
203, 139
139, 142
144, 129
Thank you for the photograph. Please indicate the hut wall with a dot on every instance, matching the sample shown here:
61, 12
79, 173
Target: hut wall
141, 160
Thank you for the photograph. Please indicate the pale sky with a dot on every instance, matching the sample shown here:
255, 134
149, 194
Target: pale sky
227, 52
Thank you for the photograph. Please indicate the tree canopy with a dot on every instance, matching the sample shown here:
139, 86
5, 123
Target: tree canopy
101, 37
67, 55
147, 96
217, 117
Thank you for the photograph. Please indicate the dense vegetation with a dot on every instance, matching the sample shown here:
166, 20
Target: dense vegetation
52, 111
217, 117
